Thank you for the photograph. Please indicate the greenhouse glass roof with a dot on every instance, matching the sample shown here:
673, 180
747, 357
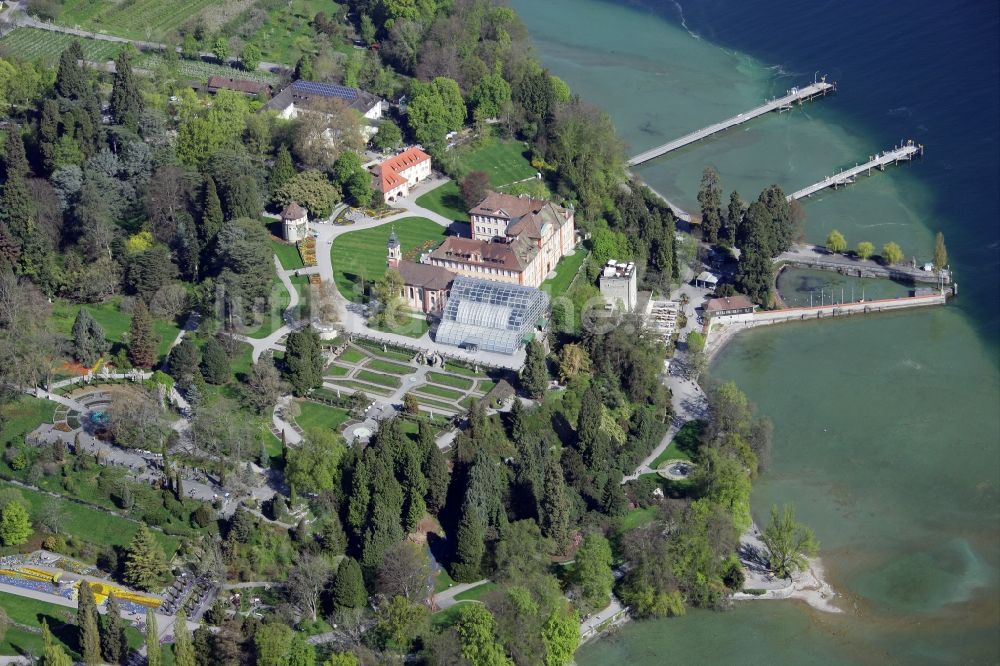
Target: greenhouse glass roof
493, 316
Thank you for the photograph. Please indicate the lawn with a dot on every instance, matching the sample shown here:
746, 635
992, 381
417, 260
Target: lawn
445, 200
669, 453
439, 391
637, 517
114, 322
358, 386
448, 616
287, 33
390, 367
336, 371
442, 581
450, 380
389, 352
318, 415
460, 369
378, 378
61, 621
21, 416
32, 44
288, 255
505, 161
411, 327
359, 256
434, 404
476, 593
94, 525
279, 303
566, 270
149, 20
485, 386
352, 355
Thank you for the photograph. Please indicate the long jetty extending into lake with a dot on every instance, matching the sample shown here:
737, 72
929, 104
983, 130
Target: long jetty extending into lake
799, 95
903, 153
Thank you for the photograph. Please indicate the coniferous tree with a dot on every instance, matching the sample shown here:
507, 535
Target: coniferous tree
349, 586
535, 375
555, 505
940, 252
435, 469
283, 169
52, 653
183, 361
211, 216
215, 363
89, 341
141, 338
154, 653
303, 360
183, 647
144, 564
710, 199
470, 547
71, 78
86, 622
126, 101
114, 645
17, 210
734, 217
782, 226
15, 163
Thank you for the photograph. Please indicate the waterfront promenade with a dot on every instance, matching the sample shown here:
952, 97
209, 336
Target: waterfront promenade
794, 95
804, 255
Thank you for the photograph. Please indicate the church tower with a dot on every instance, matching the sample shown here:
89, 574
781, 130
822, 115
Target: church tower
395, 251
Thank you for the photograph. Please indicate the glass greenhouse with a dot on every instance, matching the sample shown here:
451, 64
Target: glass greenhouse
491, 316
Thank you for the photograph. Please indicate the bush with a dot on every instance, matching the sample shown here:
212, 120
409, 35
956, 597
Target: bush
201, 517
55, 543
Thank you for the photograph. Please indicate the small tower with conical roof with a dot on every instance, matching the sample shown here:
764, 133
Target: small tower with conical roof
395, 251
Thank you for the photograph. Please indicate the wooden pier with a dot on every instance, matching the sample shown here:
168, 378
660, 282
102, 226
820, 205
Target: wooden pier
903, 153
795, 95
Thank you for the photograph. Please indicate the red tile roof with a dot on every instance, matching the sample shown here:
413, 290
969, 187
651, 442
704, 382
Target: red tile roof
389, 170
239, 85
513, 256
427, 276
737, 302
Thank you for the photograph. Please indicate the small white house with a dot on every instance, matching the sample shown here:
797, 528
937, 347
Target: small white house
294, 222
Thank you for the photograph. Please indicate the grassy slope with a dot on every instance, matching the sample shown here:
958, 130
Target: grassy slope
115, 322
505, 162
362, 253
316, 415
22, 416
445, 200
288, 255
566, 270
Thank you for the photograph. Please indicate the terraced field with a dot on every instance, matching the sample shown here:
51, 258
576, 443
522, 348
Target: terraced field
41, 45
148, 20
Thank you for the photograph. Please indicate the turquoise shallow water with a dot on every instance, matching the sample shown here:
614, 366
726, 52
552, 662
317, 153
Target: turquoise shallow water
886, 427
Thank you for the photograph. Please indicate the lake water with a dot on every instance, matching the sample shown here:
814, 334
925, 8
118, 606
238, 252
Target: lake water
887, 428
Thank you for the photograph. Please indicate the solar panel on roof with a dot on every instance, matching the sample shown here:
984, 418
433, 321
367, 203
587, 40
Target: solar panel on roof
326, 89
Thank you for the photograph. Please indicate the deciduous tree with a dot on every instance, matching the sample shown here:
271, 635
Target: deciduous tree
892, 253
474, 187
835, 242
788, 542
865, 250
15, 524
940, 251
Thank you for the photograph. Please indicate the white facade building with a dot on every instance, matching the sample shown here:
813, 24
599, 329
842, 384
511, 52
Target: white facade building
619, 285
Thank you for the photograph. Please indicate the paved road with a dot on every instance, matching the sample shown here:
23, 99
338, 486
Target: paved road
589, 626
446, 599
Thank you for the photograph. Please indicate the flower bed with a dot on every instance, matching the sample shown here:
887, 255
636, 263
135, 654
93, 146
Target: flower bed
307, 250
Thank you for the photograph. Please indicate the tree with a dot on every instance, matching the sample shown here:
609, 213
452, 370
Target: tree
710, 200
435, 469
388, 136
788, 543
250, 56
573, 361
89, 341
561, 636
695, 342
734, 217
183, 648
262, 388
474, 187
476, 628
283, 169
592, 570
607, 244
470, 547
313, 466
535, 374
352, 178
404, 572
154, 653
15, 524
399, 623
940, 252
86, 622
114, 644
306, 582
273, 642
489, 96
304, 360
387, 292
410, 404
892, 253
183, 361
301, 653
211, 214
865, 250
52, 654
220, 48
835, 242
15, 162
783, 229
349, 586
435, 109
145, 565
215, 363
126, 100
341, 659
555, 509
522, 552
310, 189
142, 340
